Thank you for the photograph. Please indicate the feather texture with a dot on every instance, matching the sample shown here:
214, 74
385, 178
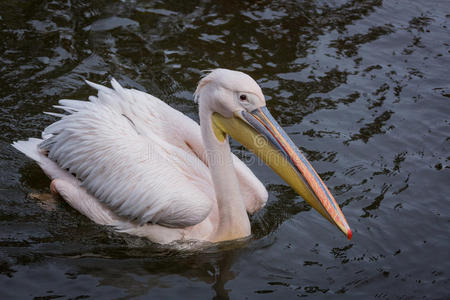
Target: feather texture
111, 145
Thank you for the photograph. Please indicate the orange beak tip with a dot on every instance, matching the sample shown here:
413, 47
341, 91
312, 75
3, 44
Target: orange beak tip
349, 234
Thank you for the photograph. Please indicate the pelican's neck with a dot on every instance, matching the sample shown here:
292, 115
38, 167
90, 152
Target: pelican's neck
233, 219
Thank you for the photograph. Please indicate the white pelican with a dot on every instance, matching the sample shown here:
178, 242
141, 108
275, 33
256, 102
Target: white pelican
128, 160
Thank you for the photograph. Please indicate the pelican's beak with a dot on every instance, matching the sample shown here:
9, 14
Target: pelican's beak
259, 132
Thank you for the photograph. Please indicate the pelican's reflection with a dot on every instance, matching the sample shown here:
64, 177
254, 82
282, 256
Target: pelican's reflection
151, 271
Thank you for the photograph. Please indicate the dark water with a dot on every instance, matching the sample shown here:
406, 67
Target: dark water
362, 87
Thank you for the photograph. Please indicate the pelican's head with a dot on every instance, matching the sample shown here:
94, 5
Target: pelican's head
239, 110
226, 92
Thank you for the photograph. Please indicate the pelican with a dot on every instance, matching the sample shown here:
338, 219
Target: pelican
128, 160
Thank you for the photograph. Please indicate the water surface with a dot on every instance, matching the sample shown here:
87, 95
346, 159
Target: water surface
361, 86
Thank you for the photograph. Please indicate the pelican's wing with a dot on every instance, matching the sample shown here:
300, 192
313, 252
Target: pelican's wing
124, 148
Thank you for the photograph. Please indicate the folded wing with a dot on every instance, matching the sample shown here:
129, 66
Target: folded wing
126, 161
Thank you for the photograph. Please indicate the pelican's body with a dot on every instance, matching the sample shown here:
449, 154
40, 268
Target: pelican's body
149, 170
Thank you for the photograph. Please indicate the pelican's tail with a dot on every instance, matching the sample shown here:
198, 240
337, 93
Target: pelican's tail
30, 148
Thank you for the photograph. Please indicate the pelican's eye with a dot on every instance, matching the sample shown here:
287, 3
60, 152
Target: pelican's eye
243, 98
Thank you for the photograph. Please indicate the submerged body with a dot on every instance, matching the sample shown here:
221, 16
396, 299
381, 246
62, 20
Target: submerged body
149, 170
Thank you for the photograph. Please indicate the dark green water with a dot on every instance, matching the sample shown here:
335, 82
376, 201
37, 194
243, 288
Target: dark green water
362, 87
